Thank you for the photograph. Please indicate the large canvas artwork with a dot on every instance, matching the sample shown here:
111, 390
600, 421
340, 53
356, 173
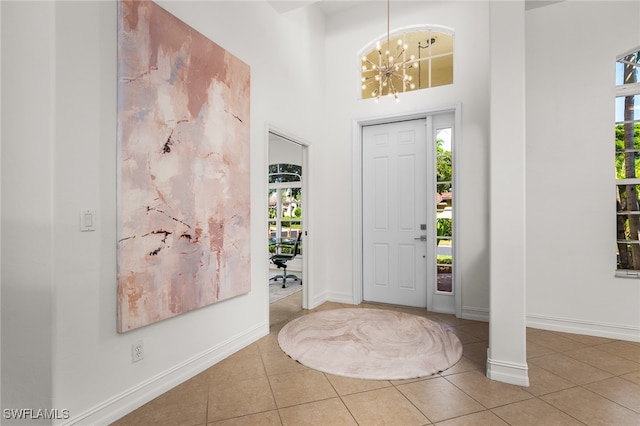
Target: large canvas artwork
183, 168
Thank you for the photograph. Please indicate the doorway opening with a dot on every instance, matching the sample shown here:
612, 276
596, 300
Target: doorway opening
286, 226
405, 211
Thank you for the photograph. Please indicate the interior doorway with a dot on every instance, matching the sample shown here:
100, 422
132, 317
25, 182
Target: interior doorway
404, 179
286, 226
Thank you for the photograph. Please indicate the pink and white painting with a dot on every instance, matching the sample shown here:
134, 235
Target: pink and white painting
183, 168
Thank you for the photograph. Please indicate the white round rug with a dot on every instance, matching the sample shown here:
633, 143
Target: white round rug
370, 344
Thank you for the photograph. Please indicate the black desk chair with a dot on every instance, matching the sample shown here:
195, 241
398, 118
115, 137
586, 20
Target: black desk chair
281, 259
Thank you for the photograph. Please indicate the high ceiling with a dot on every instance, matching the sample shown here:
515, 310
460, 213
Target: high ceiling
330, 7
327, 6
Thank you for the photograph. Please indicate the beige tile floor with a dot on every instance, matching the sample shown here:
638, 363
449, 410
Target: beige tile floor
575, 380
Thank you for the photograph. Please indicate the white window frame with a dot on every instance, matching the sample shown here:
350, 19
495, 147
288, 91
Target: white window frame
624, 90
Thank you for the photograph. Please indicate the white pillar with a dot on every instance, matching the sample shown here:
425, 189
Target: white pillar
28, 139
506, 356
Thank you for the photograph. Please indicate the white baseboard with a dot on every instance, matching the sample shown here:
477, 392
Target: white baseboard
566, 325
120, 405
318, 300
346, 298
508, 372
475, 314
591, 328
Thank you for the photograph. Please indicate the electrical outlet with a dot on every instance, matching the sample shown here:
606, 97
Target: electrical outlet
137, 351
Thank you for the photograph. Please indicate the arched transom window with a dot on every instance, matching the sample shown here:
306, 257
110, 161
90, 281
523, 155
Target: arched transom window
409, 60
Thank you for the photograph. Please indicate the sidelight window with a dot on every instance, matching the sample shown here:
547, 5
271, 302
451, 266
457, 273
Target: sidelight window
627, 164
444, 209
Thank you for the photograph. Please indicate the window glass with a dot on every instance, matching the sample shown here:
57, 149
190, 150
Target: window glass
279, 173
285, 206
412, 60
627, 108
442, 71
444, 210
627, 163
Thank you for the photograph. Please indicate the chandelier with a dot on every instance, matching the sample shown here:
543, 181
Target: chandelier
389, 75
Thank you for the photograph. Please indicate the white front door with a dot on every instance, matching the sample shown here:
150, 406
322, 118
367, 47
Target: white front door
395, 182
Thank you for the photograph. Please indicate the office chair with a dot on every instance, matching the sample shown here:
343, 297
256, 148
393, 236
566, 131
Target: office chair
281, 259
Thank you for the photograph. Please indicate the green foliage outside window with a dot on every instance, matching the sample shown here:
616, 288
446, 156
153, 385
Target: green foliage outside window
444, 167
627, 140
444, 227
620, 151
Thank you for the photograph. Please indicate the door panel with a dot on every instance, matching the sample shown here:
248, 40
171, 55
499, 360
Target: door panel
381, 194
407, 271
394, 206
407, 193
381, 255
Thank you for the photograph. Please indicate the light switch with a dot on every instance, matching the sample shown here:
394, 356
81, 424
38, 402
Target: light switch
87, 220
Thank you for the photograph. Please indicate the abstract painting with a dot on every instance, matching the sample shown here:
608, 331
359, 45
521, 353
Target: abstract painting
183, 168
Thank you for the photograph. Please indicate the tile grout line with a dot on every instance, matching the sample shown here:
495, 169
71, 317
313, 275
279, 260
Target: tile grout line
341, 400
266, 373
576, 385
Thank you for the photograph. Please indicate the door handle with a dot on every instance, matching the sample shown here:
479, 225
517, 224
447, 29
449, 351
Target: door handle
421, 238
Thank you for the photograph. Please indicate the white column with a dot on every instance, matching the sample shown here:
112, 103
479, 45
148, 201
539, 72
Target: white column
506, 357
28, 139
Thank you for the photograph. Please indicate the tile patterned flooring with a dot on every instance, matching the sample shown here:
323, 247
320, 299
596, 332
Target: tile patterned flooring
574, 380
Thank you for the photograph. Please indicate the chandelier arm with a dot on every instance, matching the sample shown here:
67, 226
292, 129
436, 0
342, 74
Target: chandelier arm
368, 83
392, 88
400, 53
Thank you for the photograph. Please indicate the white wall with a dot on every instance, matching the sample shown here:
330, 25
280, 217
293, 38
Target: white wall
282, 151
59, 155
27, 206
571, 49
347, 33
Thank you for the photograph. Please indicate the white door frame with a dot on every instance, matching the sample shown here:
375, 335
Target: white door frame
356, 157
307, 286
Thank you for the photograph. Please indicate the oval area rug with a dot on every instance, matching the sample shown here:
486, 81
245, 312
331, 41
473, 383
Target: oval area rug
370, 344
